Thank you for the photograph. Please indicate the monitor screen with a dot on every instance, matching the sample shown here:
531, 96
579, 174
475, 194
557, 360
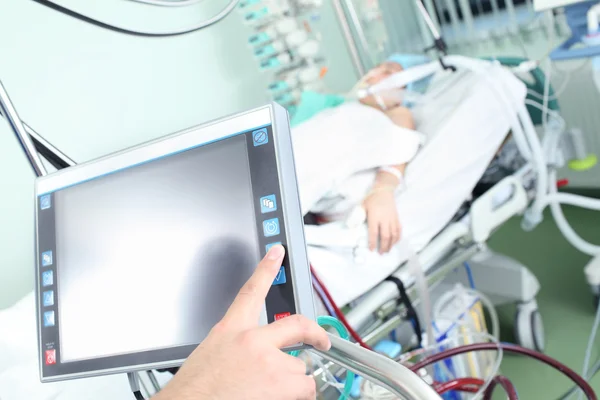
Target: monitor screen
138, 263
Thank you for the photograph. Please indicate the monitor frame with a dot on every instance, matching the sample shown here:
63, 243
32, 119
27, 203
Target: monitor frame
220, 129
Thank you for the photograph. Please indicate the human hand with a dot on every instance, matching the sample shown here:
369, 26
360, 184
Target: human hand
241, 360
382, 220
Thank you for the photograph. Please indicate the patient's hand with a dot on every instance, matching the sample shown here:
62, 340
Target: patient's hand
401, 116
382, 220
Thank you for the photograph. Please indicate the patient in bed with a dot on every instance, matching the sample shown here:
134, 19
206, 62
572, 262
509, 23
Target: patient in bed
384, 227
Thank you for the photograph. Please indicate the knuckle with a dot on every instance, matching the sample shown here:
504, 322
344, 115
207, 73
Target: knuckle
221, 327
248, 340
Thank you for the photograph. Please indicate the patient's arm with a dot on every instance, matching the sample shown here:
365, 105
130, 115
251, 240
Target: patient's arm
380, 204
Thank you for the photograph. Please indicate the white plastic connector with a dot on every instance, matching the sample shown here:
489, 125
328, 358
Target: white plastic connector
592, 271
296, 38
531, 219
526, 66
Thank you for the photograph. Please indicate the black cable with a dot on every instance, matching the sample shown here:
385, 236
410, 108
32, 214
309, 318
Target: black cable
411, 313
104, 25
138, 395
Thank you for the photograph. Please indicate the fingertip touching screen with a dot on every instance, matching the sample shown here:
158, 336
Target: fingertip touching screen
141, 253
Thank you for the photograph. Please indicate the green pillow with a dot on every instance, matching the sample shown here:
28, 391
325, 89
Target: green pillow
312, 103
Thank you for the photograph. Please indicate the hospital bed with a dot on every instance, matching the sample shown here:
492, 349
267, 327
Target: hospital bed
443, 243
464, 124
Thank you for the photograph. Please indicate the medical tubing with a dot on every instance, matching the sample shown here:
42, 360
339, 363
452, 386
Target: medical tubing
595, 369
510, 348
469, 385
138, 395
167, 33
590, 345
339, 313
506, 384
421, 283
573, 200
446, 297
451, 342
566, 229
322, 297
543, 177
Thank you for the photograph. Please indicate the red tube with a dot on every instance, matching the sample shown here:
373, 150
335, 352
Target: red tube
339, 313
506, 384
509, 348
470, 385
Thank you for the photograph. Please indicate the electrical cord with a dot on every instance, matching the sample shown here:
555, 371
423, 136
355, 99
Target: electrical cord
338, 313
167, 3
168, 33
510, 348
506, 384
138, 395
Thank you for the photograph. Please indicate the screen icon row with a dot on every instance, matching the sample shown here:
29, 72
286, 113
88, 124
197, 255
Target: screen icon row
49, 319
47, 278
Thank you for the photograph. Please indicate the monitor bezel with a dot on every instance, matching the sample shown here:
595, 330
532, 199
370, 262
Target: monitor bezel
271, 114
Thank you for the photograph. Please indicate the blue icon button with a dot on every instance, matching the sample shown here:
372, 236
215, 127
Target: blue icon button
48, 278
268, 247
46, 258
49, 318
268, 204
280, 278
271, 227
260, 137
48, 298
45, 202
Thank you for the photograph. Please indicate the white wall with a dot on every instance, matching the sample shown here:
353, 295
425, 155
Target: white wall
91, 92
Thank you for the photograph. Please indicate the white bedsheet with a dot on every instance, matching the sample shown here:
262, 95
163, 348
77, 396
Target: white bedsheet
464, 126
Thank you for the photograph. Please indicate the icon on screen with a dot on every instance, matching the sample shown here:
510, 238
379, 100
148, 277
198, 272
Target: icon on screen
48, 298
46, 258
47, 278
282, 315
49, 318
45, 202
268, 204
260, 137
280, 278
271, 227
268, 247
50, 356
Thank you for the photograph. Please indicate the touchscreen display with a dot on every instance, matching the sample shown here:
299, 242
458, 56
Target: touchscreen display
146, 259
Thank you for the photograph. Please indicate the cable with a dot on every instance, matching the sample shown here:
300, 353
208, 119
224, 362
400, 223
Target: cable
138, 395
510, 348
590, 345
595, 369
506, 384
167, 3
168, 33
339, 313
469, 274
321, 295
469, 385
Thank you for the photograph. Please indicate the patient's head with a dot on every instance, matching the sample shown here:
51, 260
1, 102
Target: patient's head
376, 75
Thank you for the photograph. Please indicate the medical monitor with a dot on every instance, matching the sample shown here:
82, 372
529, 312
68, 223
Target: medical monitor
541, 5
141, 252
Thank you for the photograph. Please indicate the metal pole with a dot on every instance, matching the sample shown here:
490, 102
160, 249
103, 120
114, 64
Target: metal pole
17, 126
347, 32
48, 148
432, 27
359, 30
379, 369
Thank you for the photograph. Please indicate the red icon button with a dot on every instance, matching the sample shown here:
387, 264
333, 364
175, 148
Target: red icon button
50, 357
282, 315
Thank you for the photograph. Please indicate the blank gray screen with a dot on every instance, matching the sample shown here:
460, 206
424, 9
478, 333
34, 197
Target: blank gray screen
150, 257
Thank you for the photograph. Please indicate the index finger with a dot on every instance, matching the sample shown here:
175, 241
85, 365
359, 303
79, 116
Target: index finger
249, 302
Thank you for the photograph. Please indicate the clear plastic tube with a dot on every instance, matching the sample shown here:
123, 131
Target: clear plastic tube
457, 341
421, 283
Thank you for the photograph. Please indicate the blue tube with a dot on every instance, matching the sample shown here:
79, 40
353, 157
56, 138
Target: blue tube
469, 275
